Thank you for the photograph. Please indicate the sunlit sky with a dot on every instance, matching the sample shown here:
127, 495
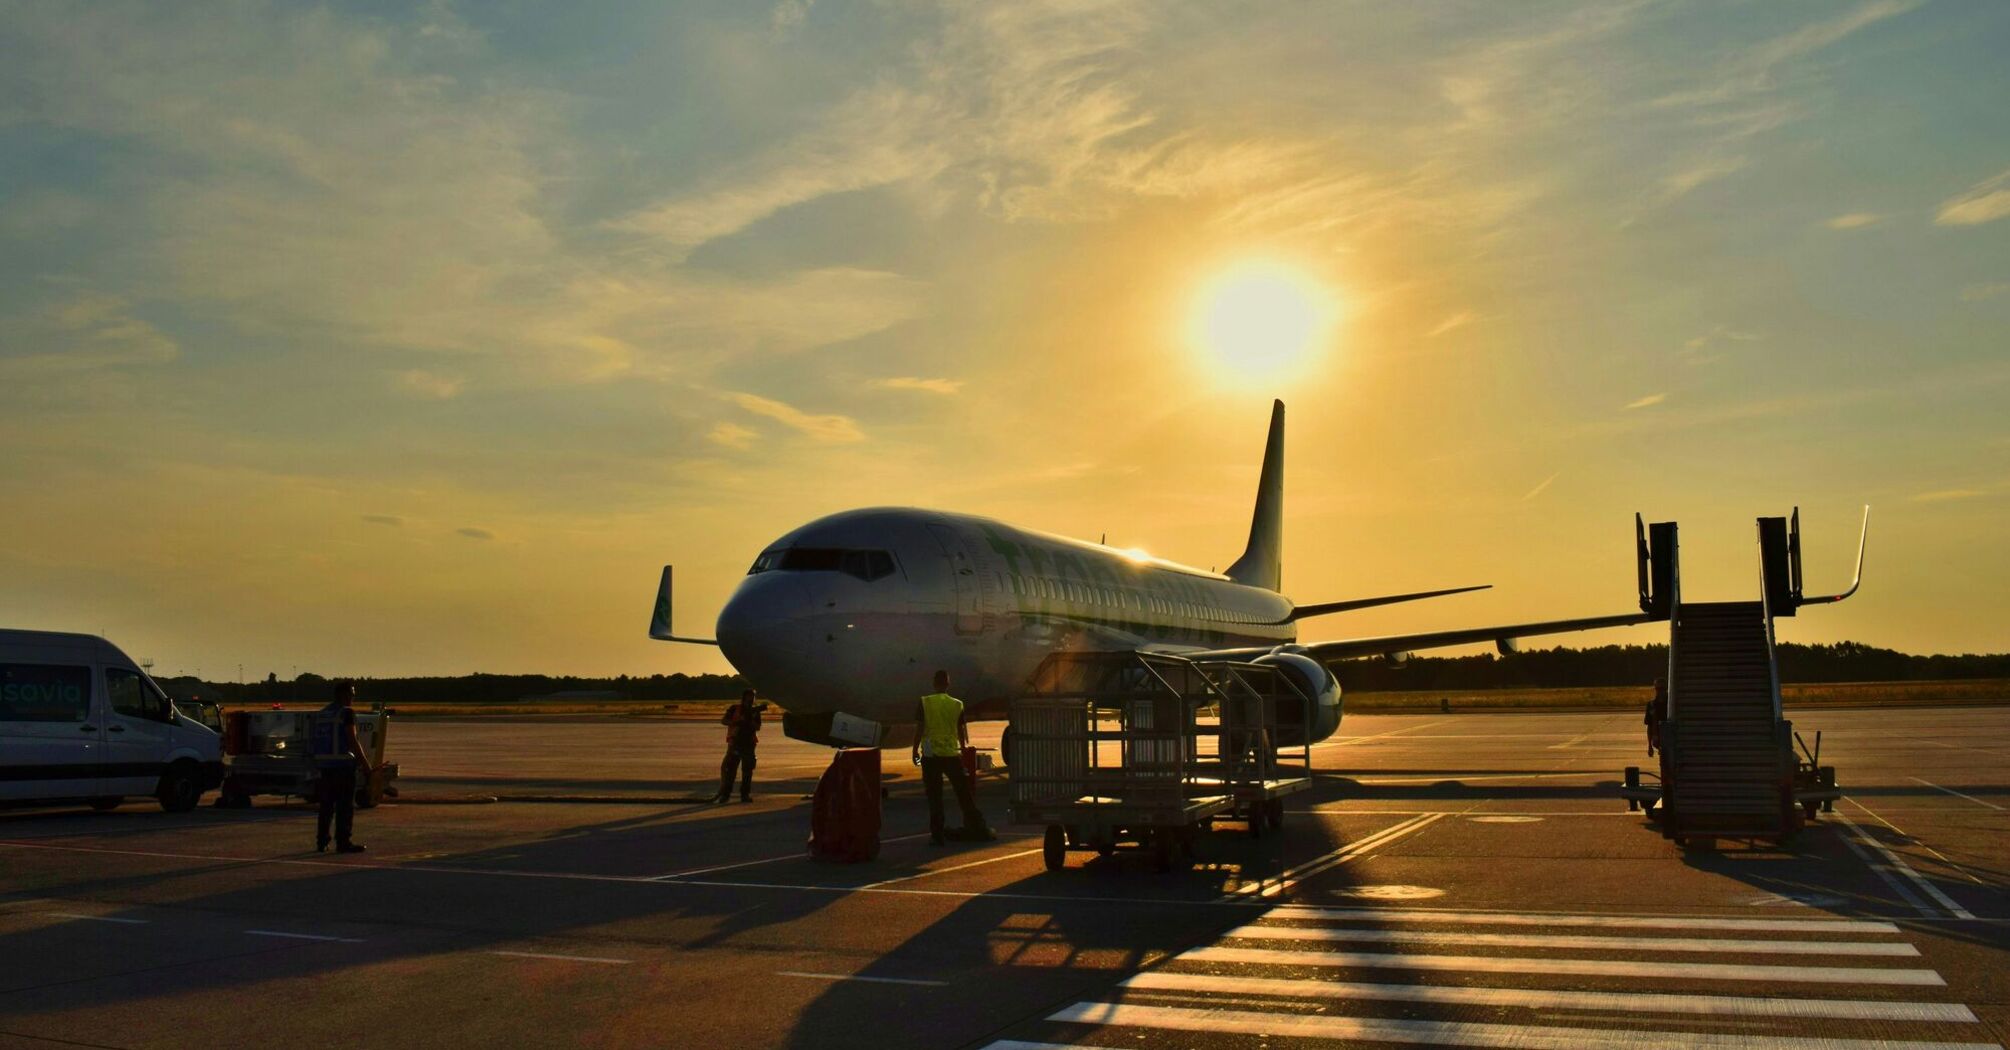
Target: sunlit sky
363, 339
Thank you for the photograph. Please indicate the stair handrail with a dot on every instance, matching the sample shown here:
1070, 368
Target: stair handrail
1772, 657
1674, 641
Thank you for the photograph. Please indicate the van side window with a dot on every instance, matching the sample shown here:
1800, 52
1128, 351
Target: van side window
131, 697
44, 693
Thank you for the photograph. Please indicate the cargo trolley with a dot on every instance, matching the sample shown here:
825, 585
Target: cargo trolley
1146, 750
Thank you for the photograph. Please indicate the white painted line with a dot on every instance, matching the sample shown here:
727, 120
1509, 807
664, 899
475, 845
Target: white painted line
1585, 967
860, 977
945, 871
1657, 922
1360, 847
1451, 777
1456, 1033
1548, 999
1021, 1044
304, 936
797, 855
1572, 742
1576, 941
1884, 872
99, 918
1905, 869
1958, 794
603, 960
1942, 857
1380, 736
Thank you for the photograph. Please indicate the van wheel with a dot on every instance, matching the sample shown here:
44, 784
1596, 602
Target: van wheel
106, 804
179, 789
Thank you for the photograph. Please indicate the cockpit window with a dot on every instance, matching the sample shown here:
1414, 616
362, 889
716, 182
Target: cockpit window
866, 565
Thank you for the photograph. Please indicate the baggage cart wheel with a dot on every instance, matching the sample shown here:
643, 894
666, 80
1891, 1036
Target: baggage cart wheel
1255, 816
1811, 808
1166, 853
1054, 848
1273, 813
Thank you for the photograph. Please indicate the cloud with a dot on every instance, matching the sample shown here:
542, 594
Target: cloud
474, 533
1986, 201
1540, 486
1976, 293
932, 386
433, 385
831, 429
1705, 169
86, 332
1855, 220
732, 435
1457, 320
1647, 402
1944, 495
789, 14
1716, 337
385, 519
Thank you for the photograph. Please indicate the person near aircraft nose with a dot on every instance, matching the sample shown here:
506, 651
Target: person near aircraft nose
743, 735
939, 741
340, 757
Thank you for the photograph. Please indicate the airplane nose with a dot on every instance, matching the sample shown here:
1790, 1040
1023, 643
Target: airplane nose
754, 629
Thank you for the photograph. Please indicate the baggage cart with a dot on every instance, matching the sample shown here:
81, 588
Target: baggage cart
268, 752
1145, 750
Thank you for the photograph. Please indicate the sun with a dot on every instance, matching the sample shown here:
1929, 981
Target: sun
1261, 321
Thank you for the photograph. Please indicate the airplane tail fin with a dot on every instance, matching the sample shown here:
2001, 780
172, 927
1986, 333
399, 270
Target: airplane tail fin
1262, 562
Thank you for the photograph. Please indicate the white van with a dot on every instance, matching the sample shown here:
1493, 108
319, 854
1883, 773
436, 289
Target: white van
79, 720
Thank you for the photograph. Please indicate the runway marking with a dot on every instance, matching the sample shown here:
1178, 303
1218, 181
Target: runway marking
1453, 1033
945, 871
1306, 911
305, 936
1381, 736
602, 960
99, 918
1538, 940
1533, 998
1579, 967
1958, 794
1572, 742
1464, 779
797, 855
1905, 869
860, 977
1359, 848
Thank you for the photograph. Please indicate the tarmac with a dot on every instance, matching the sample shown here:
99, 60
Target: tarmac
1465, 879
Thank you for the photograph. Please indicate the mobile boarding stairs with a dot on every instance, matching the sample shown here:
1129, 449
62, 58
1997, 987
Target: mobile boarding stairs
1729, 767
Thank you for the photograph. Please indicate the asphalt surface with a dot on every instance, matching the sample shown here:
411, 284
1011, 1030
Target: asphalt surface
1467, 879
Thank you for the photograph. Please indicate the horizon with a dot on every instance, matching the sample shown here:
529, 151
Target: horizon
403, 341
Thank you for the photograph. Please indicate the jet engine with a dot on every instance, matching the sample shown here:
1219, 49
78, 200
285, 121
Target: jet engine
1318, 683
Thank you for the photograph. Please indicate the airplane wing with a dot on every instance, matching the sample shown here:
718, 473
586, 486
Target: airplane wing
1503, 635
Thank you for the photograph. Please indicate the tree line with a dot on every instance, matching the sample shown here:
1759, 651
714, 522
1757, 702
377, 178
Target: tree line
1640, 664
1558, 668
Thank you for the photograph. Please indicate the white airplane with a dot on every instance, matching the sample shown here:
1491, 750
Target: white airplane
843, 621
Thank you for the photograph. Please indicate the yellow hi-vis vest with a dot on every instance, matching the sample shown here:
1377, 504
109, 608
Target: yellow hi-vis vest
939, 714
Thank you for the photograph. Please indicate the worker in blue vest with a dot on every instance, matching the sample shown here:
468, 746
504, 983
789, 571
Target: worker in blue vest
939, 740
339, 757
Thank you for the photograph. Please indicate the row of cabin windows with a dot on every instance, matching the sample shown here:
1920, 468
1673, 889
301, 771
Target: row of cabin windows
1069, 591
866, 565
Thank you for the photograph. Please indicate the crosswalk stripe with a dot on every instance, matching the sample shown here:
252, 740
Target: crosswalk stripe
1534, 998
1657, 922
1541, 940
1292, 876
1457, 1033
1589, 967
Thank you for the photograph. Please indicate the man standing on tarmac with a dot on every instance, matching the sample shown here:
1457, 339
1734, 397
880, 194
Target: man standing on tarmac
743, 735
340, 757
940, 737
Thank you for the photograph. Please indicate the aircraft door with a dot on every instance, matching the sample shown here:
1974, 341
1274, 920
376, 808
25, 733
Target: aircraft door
965, 575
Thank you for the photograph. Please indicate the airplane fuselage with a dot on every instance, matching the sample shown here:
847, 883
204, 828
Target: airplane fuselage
854, 612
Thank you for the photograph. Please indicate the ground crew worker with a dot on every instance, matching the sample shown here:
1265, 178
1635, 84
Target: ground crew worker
940, 737
743, 735
340, 757
1657, 709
